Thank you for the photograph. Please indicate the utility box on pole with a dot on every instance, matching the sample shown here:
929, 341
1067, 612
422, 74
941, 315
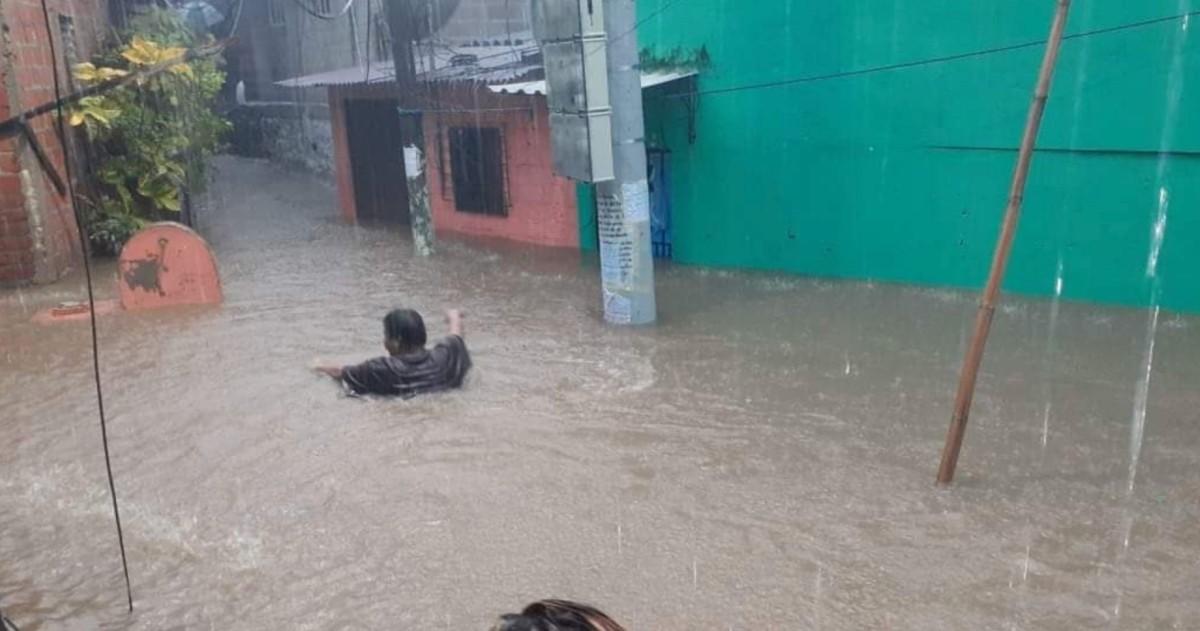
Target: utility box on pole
575, 53
600, 138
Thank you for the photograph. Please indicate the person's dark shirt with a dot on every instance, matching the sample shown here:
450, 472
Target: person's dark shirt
442, 367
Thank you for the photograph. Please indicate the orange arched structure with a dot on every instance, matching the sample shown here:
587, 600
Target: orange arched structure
167, 264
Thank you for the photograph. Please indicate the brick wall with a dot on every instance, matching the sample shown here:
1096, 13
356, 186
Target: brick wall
38, 236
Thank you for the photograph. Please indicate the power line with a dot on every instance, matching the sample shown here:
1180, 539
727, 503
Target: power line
518, 53
87, 269
237, 18
324, 16
370, 51
930, 61
666, 5
873, 69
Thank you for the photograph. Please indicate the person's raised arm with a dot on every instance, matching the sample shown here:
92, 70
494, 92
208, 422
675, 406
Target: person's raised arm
454, 320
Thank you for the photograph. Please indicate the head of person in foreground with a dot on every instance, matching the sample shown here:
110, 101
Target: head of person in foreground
404, 331
557, 615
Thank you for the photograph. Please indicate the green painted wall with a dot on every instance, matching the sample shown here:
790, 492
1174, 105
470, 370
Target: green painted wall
903, 175
585, 202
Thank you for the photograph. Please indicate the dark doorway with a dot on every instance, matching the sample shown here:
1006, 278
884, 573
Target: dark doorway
375, 136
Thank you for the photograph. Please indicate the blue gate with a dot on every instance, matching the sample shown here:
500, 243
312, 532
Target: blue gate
658, 176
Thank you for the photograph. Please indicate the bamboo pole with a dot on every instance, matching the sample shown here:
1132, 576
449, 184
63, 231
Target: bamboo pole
1008, 229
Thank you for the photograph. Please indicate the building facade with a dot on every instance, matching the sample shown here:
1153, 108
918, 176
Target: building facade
496, 176
487, 157
488, 162
277, 40
38, 235
790, 157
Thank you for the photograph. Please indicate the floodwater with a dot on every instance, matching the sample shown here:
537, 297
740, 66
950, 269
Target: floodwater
763, 459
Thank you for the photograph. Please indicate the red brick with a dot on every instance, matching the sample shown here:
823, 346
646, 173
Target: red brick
9, 164
10, 184
12, 208
19, 264
16, 273
13, 231
16, 243
32, 69
16, 258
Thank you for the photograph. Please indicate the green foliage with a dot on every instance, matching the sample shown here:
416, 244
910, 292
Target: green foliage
110, 225
154, 136
674, 59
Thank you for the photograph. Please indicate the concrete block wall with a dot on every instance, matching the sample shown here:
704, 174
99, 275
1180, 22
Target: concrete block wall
304, 140
296, 135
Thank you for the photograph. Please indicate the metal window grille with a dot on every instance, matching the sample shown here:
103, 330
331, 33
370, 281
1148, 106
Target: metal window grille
477, 170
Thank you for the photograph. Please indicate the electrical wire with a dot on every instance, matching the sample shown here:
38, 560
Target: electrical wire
666, 5
87, 268
237, 18
518, 53
508, 30
929, 61
301, 97
370, 51
324, 16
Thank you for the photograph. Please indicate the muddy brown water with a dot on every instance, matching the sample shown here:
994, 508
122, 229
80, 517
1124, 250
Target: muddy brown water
762, 459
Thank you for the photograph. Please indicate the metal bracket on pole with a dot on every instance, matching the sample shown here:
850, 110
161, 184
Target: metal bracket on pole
575, 48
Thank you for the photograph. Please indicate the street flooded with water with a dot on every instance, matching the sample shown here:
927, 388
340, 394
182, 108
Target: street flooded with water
762, 459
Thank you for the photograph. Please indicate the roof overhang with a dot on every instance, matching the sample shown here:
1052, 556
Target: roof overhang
649, 80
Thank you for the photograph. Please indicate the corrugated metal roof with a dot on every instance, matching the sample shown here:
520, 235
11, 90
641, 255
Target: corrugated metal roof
379, 73
649, 80
486, 64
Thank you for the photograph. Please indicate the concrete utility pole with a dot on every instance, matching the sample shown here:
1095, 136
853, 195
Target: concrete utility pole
404, 24
623, 204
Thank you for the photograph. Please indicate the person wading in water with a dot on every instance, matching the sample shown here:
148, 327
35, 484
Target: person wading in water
409, 368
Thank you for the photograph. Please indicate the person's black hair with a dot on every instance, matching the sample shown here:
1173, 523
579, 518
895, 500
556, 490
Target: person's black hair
557, 615
405, 326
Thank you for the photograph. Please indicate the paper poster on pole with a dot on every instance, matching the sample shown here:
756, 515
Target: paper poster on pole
636, 197
616, 245
618, 309
412, 161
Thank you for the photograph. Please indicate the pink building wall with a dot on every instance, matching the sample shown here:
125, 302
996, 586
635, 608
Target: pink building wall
542, 205
341, 154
